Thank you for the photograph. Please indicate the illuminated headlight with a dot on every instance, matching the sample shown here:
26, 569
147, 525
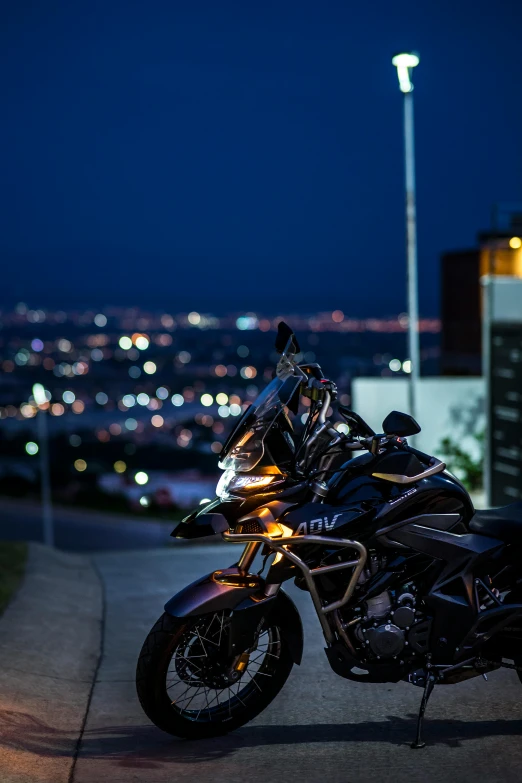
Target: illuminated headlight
231, 482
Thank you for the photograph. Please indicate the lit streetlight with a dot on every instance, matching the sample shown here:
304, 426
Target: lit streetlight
405, 62
40, 398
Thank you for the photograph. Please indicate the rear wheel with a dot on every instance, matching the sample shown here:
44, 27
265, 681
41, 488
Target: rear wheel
189, 686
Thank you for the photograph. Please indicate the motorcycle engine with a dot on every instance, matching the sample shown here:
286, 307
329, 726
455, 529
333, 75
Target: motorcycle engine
390, 624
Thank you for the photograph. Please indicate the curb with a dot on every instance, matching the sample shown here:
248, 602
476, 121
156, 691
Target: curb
50, 648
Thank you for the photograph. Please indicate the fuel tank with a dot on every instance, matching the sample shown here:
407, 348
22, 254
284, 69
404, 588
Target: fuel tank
359, 505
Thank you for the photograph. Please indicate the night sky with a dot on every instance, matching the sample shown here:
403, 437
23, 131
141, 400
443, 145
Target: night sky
221, 155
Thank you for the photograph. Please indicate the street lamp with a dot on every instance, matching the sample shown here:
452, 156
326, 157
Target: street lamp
405, 62
40, 398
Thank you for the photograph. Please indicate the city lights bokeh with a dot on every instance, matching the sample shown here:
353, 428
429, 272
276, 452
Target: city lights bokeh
132, 394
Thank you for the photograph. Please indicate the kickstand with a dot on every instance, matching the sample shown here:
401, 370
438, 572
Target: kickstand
428, 688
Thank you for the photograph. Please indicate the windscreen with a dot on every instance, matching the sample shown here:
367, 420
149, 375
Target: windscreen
245, 447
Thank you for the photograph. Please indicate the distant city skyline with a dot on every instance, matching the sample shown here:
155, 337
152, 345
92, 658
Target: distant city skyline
132, 394
136, 318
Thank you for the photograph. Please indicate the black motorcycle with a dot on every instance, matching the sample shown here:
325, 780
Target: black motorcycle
407, 580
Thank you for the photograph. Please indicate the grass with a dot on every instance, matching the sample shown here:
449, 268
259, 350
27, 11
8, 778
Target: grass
13, 557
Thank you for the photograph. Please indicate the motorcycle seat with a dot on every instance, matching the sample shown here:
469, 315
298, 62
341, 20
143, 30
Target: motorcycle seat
504, 523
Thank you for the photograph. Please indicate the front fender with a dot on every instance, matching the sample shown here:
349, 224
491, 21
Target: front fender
244, 597
216, 591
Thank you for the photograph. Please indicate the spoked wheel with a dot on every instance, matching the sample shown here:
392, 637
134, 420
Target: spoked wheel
189, 684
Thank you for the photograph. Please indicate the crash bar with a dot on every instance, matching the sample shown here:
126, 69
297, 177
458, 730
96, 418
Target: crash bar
278, 545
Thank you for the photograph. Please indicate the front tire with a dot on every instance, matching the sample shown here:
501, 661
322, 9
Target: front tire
189, 688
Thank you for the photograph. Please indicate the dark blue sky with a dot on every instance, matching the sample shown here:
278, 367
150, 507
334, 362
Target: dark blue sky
248, 154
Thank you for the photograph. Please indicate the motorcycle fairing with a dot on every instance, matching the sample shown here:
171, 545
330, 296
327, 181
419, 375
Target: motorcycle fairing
321, 518
452, 596
207, 520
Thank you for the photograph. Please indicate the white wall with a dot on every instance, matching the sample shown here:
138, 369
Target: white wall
446, 406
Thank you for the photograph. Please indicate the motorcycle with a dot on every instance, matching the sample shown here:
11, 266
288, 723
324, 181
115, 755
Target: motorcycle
408, 581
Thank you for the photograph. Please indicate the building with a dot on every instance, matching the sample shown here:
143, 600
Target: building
461, 334
499, 252
503, 371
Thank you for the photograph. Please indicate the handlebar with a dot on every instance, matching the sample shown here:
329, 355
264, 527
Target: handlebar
420, 455
322, 391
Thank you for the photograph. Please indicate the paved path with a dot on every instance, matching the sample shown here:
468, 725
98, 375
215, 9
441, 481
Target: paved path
82, 530
321, 728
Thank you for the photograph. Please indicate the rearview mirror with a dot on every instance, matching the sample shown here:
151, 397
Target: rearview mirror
286, 337
401, 424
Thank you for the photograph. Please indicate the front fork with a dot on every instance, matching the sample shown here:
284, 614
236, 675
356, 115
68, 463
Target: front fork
244, 564
246, 560
248, 556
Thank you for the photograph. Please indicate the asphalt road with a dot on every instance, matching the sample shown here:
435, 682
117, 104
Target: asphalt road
320, 729
80, 530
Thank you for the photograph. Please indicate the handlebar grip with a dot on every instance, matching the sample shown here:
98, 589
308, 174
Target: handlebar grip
421, 455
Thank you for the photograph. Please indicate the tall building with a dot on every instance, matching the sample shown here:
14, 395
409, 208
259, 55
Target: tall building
503, 371
499, 252
460, 313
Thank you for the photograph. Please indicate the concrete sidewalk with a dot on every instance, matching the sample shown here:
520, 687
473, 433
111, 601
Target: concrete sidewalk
50, 647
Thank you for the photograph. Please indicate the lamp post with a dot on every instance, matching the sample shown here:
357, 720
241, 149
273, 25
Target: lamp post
41, 400
405, 62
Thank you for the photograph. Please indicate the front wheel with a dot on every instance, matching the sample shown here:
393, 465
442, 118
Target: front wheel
188, 684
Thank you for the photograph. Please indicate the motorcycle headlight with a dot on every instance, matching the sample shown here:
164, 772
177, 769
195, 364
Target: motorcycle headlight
231, 482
